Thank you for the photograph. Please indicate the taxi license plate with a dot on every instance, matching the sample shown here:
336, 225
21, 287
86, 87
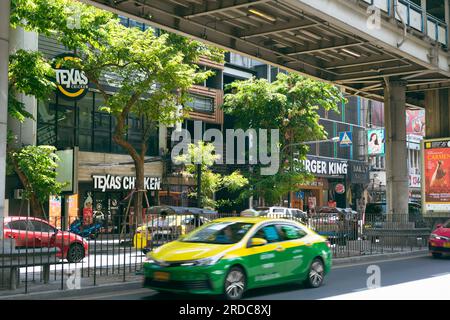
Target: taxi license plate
447, 245
161, 276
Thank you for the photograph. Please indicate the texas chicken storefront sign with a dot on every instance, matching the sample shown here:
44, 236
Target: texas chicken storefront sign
71, 83
110, 182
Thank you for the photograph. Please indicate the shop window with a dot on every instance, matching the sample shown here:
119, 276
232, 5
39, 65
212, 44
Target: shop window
85, 140
65, 137
46, 111
84, 107
46, 134
102, 121
102, 141
65, 115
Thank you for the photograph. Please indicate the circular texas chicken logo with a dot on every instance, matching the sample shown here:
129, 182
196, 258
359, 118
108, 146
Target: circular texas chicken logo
72, 84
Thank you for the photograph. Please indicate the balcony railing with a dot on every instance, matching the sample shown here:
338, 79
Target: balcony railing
413, 16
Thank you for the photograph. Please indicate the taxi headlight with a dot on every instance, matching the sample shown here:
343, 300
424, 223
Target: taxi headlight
149, 258
208, 261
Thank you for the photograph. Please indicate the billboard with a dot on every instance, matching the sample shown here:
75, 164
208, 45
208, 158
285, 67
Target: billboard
375, 138
436, 172
415, 122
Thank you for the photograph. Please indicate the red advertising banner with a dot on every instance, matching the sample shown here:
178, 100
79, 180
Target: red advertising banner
437, 175
415, 122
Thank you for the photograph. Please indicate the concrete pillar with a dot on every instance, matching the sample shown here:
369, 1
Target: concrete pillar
26, 132
4, 54
437, 114
397, 195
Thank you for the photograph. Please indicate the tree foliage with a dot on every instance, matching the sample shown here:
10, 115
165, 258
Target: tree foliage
203, 154
38, 165
150, 74
290, 105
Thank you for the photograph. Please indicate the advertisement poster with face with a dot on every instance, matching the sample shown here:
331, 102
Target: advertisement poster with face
87, 210
415, 122
375, 141
437, 175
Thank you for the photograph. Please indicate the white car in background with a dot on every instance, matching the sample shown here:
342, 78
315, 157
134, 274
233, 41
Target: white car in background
287, 213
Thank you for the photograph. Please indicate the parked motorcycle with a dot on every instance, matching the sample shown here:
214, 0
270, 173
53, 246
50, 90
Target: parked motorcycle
90, 231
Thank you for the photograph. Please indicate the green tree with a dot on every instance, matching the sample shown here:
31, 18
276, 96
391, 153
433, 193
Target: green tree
290, 105
36, 168
152, 74
29, 73
211, 182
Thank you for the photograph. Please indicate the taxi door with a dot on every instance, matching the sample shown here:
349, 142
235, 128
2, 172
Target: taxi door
298, 250
265, 265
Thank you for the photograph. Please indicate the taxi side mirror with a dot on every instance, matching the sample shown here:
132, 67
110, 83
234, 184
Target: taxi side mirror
257, 242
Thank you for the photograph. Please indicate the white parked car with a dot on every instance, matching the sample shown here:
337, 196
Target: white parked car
288, 213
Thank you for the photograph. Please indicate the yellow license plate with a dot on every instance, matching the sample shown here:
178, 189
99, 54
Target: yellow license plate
447, 245
161, 276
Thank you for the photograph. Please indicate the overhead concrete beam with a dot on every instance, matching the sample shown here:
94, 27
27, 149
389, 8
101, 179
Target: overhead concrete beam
348, 16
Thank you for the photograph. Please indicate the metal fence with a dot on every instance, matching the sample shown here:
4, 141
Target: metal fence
38, 254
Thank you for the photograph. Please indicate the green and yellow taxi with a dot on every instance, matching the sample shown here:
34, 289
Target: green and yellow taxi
231, 255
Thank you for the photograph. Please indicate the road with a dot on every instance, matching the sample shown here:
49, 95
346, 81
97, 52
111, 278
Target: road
405, 278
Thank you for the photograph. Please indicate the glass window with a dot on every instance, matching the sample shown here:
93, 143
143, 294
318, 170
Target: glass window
46, 134
351, 110
85, 140
40, 226
289, 232
46, 111
268, 233
84, 107
219, 233
102, 141
66, 137
20, 225
66, 116
201, 104
102, 121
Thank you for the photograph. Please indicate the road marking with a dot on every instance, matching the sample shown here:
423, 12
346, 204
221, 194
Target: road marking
378, 261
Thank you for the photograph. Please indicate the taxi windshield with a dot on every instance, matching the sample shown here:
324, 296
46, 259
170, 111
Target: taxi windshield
219, 233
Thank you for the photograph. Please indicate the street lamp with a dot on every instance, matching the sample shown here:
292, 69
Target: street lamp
334, 139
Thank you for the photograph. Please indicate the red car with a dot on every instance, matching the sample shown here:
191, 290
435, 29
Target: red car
37, 233
439, 242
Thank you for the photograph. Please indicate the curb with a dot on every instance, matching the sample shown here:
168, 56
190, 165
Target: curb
377, 257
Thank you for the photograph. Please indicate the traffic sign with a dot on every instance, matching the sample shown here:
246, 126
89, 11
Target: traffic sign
345, 138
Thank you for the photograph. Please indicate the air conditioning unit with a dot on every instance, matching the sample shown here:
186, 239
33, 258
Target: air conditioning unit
18, 193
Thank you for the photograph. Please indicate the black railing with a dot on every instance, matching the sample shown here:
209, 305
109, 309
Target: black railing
36, 255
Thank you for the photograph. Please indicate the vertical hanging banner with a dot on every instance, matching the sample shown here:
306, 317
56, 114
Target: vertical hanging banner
54, 205
436, 171
72, 207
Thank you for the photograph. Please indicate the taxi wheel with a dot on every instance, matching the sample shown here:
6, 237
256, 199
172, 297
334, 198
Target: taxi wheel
234, 284
316, 274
